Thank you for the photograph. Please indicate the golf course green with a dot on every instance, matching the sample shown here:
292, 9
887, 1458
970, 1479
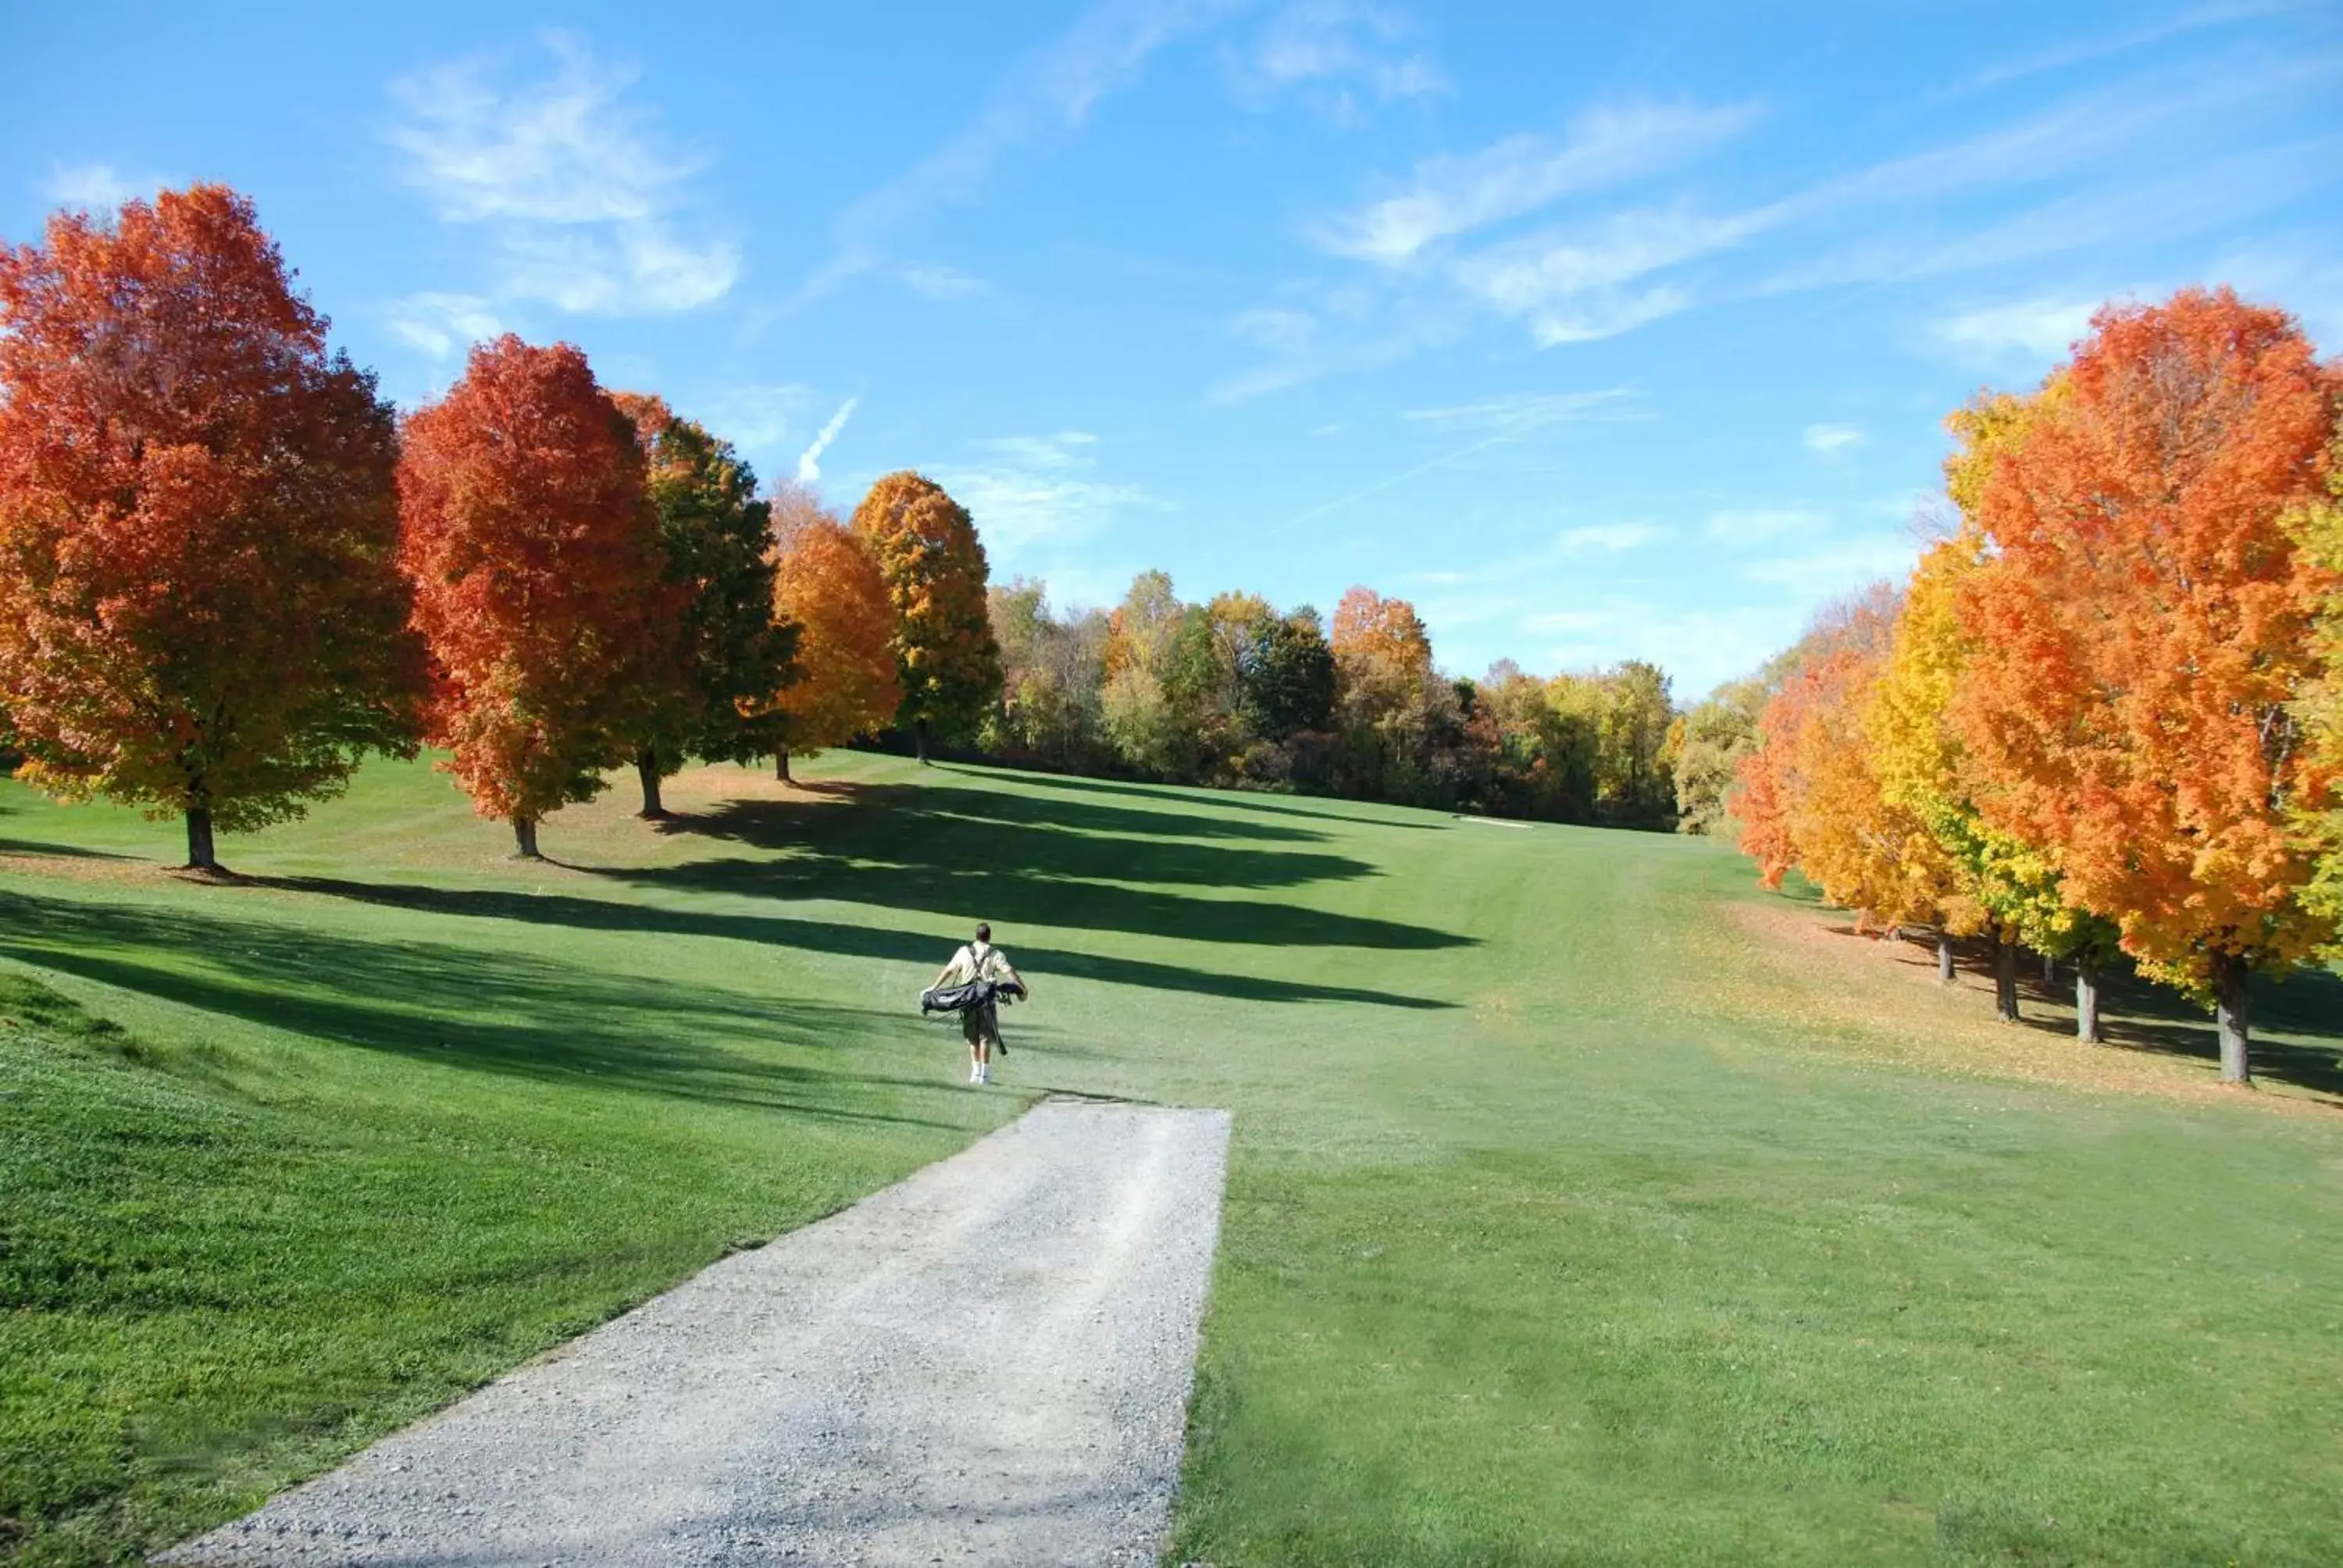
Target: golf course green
1586, 1205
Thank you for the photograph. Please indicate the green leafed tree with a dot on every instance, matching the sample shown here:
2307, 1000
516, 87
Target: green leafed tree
1285, 678
1717, 734
731, 653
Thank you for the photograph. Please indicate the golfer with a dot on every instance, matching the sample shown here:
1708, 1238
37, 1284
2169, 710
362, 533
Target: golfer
980, 1020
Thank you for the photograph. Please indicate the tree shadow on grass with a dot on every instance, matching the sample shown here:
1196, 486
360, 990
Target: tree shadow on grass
918, 948
2297, 1022
2297, 1025
12, 846
975, 800
966, 853
1238, 799
68, 852
498, 1012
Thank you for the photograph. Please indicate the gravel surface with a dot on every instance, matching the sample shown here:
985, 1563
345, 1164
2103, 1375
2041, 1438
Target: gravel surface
988, 1362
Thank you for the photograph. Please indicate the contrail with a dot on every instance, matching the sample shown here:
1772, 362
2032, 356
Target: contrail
810, 462
1440, 462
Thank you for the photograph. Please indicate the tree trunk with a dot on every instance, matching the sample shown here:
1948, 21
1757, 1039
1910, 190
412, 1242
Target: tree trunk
647, 767
2086, 1002
2049, 972
525, 837
1945, 975
920, 738
782, 764
2233, 1010
201, 855
2004, 982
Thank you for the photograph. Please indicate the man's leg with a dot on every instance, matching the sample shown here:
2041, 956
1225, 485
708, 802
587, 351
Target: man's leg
971, 1029
988, 1036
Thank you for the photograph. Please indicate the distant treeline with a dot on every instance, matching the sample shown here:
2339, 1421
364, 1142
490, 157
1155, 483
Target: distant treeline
1235, 693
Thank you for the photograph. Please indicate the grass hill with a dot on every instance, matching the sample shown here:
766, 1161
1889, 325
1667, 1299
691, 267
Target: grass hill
1586, 1205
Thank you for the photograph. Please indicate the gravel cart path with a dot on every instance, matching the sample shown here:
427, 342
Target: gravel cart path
987, 1362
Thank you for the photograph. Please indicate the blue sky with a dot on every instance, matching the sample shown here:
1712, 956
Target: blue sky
1597, 332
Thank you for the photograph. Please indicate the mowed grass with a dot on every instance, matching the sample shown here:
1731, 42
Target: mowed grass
1585, 1206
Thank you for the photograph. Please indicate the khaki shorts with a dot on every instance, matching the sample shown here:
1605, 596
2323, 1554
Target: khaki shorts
982, 1025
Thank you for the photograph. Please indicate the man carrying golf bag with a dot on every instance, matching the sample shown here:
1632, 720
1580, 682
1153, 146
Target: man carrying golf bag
977, 981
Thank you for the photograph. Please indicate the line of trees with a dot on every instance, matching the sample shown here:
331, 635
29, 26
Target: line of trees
1235, 693
2103, 718
2105, 715
229, 570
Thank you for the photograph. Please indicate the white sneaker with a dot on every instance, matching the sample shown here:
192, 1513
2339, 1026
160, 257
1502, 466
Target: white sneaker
984, 1075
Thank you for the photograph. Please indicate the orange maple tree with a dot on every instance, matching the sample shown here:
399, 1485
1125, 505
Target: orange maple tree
1380, 645
2138, 629
539, 581
199, 607
1808, 798
1382, 675
934, 567
826, 584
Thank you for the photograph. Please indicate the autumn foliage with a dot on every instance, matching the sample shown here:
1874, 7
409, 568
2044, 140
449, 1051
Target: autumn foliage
2142, 624
2103, 718
2107, 704
827, 585
927, 551
199, 608
727, 653
540, 583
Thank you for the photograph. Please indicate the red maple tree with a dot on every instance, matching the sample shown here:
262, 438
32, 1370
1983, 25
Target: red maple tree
540, 581
200, 611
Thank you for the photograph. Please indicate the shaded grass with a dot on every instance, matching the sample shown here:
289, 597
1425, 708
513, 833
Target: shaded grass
1573, 1218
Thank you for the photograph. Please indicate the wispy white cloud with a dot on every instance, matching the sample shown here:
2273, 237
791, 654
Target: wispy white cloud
2041, 329
1342, 55
1453, 195
1322, 330
1840, 567
809, 461
2086, 51
758, 418
631, 269
565, 150
1764, 525
933, 281
1700, 648
1278, 328
566, 177
1832, 440
443, 325
1606, 273
1028, 492
1517, 412
2300, 271
1050, 93
1607, 538
94, 187
1574, 286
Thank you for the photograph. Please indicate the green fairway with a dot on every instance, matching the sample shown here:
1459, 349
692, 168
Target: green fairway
1585, 1205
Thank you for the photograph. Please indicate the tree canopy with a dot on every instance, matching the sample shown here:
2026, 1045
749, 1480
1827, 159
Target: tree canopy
200, 611
541, 583
935, 570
